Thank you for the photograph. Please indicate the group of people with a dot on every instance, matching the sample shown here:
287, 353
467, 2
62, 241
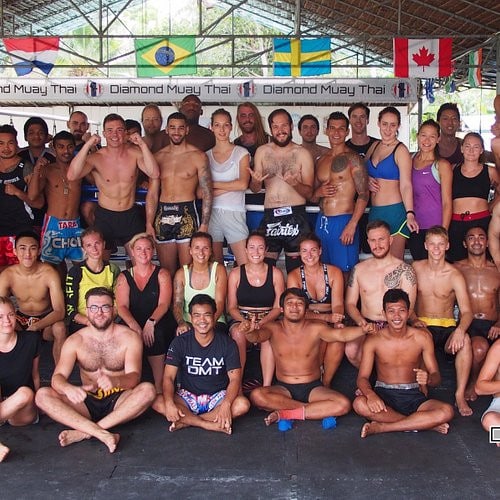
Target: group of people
194, 322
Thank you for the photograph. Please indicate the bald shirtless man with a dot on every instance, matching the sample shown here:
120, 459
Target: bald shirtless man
171, 212
298, 393
110, 360
152, 120
342, 191
440, 285
287, 171
370, 279
114, 168
37, 289
397, 402
61, 228
488, 383
483, 284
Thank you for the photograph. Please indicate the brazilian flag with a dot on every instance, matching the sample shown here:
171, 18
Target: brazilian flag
165, 56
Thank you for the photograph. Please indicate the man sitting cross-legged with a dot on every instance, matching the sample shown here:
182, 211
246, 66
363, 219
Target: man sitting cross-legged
110, 359
397, 402
207, 366
298, 393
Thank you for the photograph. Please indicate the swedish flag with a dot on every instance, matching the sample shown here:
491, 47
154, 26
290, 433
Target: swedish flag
165, 56
302, 57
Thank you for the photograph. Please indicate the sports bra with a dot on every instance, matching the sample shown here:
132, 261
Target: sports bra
385, 169
248, 295
470, 187
327, 297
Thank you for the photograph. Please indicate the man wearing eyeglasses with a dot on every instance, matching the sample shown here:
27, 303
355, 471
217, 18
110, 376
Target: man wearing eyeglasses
110, 360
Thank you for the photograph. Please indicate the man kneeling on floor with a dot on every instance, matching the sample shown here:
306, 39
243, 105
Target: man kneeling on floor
209, 374
399, 402
297, 393
110, 360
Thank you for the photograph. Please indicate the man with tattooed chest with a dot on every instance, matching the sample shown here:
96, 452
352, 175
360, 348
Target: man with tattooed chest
370, 279
341, 187
110, 360
287, 171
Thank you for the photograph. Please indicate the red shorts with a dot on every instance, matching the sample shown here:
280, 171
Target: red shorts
7, 255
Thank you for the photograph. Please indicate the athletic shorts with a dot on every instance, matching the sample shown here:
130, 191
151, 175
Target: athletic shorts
176, 222
284, 227
328, 229
7, 255
118, 228
102, 403
441, 334
228, 224
394, 215
299, 392
456, 234
480, 328
379, 323
24, 321
494, 407
404, 401
201, 403
61, 240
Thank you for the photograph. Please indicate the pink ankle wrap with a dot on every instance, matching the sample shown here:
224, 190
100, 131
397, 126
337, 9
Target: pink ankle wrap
295, 414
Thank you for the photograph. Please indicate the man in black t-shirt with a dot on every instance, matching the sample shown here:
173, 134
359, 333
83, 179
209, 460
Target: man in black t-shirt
19, 377
208, 369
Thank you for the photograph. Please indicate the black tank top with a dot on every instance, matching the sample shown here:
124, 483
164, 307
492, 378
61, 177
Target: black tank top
470, 187
142, 303
255, 296
327, 298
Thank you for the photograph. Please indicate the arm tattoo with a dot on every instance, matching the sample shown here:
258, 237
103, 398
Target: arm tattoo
178, 308
205, 181
360, 176
393, 279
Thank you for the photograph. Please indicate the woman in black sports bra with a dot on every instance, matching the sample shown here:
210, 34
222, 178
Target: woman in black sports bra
254, 290
324, 286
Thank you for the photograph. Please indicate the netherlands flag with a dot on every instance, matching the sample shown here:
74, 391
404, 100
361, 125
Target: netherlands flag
29, 53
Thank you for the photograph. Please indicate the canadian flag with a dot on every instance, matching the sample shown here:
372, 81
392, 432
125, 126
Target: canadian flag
414, 58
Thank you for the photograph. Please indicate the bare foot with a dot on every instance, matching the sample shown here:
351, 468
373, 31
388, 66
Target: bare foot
369, 428
71, 436
470, 393
441, 428
463, 408
272, 418
111, 441
214, 426
4, 451
177, 426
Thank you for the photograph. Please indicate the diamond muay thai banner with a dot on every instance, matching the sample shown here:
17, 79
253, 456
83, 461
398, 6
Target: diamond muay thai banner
28, 91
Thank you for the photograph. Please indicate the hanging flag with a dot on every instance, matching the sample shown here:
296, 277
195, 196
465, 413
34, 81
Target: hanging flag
449, 85
29, 53
304, 57
475, 62
429, 89
414, 58
165, 56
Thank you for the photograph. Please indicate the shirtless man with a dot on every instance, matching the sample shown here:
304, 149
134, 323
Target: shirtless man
78, 126
151, 120
359, 116
483, 284
61, 228
287, 171
440, 284
171, 213
370, 279
342, 190
207, 366
488, 383
36, 287
308, 127
397, 403
110, 359
19, 376
114, 168
299, 393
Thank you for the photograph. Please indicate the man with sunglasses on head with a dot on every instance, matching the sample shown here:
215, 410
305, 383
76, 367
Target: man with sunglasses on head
110, 360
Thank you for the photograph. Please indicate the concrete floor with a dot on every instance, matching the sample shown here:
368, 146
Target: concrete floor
256, 462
